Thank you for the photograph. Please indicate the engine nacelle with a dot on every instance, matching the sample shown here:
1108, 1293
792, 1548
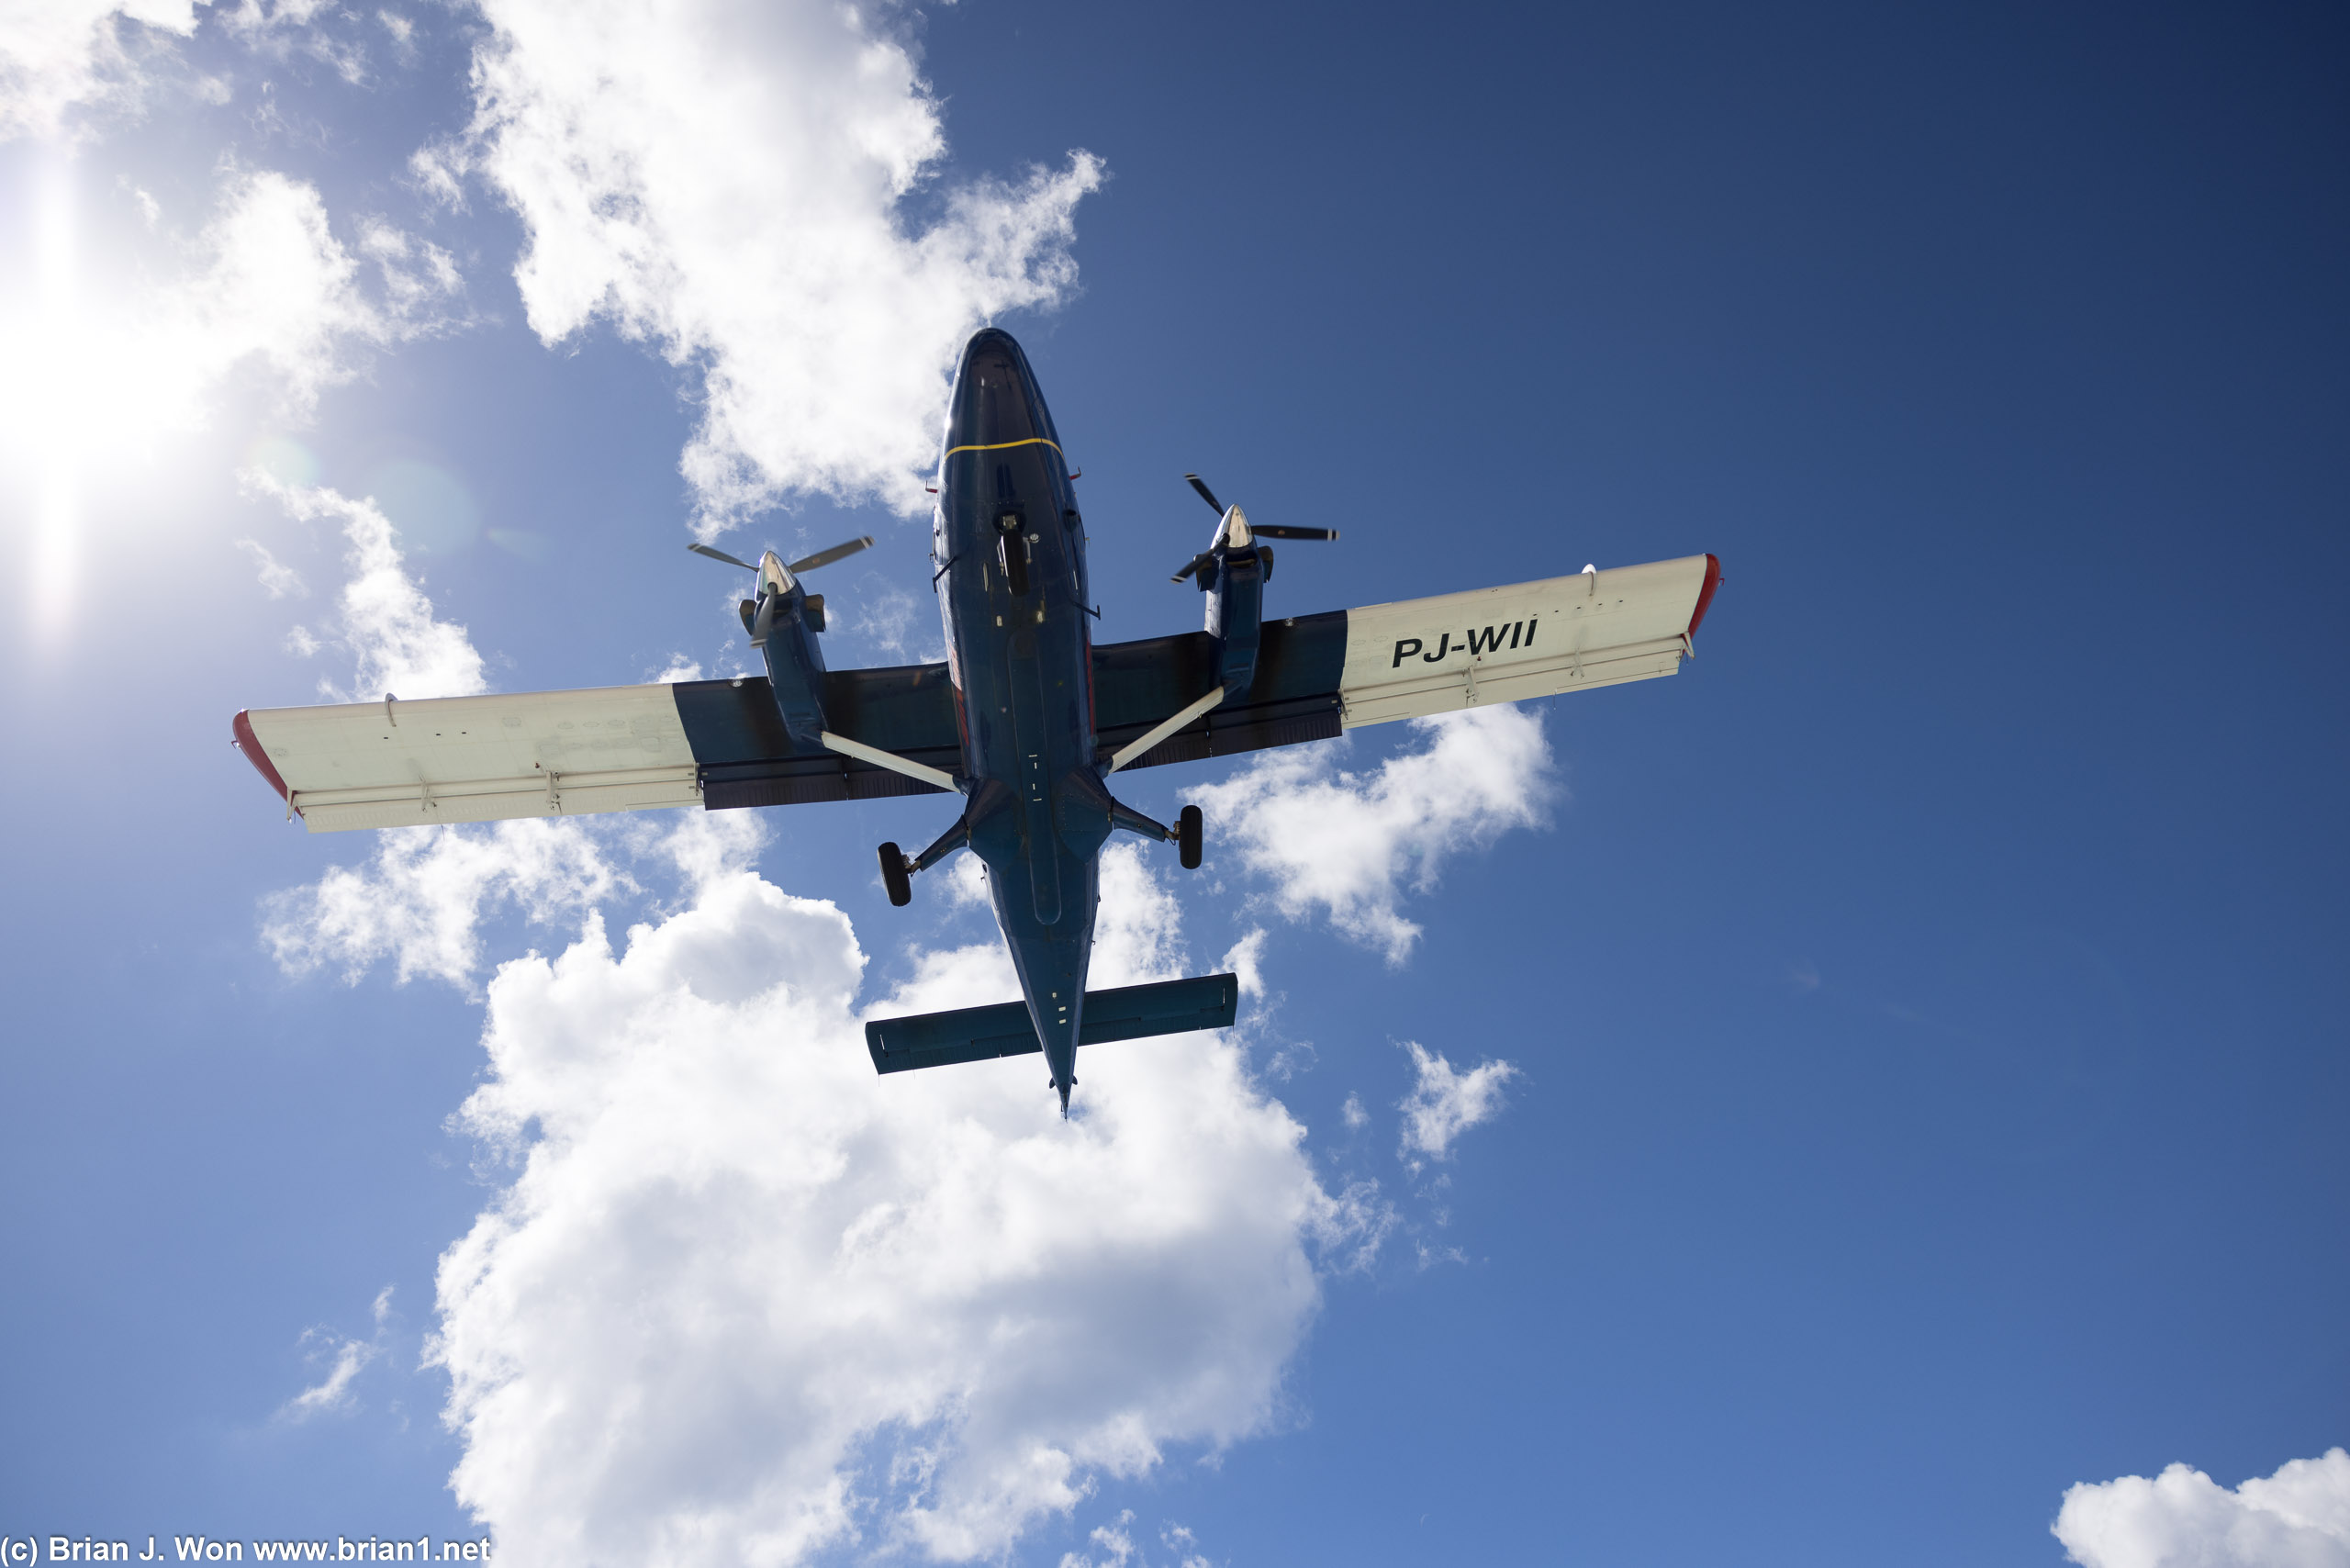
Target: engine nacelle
783, 625
1233, 575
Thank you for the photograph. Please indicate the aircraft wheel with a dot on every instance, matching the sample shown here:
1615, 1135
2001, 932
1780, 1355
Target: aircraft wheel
893, 875
1188, 829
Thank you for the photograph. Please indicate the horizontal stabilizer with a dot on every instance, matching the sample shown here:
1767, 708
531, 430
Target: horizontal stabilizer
1122, 1013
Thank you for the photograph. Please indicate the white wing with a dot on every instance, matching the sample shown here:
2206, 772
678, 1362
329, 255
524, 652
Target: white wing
1503, 644
469, 759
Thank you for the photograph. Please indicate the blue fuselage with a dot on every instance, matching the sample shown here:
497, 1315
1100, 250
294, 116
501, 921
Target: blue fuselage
1011, 589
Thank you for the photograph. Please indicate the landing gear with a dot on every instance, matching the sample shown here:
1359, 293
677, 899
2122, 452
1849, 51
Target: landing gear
1188, 828
893, 875
898, 872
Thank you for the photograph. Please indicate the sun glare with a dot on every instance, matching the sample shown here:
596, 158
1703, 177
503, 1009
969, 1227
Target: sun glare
92, 383
42, 388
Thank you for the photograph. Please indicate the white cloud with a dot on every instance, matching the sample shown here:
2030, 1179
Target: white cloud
277, 29
1246, 960
1116, 1540
965, 884
417, 277
2299, 1517
1175, 1537
268, 282
382, 616
345, 1358
56, 55
1444, 1102
746, 1299
277, 580
887, 618
99, 369
348, 1357
419, 905
1350, 843
730, 183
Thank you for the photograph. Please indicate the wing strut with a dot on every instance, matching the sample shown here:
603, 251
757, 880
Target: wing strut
890, 760
1160, 732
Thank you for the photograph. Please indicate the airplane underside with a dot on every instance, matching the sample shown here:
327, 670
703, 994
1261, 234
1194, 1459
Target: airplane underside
1027, 721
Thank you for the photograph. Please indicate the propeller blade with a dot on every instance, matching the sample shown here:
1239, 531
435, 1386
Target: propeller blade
720, 555
1281, 531
1193, 564
826, 557
1205, 494
766, 621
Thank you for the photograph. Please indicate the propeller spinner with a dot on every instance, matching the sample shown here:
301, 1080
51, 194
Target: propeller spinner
780, 579
1237, 532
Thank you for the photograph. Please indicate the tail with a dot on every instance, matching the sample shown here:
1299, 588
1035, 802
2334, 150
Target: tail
1122, 1013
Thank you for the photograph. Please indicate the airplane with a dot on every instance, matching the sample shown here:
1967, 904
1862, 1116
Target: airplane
1027, 720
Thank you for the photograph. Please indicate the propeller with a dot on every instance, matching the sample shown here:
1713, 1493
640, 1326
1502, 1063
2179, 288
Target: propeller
805, 563
1236, 528
722, 555
762, 621
826, 557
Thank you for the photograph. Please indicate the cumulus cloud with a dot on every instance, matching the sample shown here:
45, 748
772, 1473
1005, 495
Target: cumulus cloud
420, 903
745, 1300
2299, 1517
57, 55
1444, 1103
732, 185
68, 67
382, 616
1351, 844
268, 283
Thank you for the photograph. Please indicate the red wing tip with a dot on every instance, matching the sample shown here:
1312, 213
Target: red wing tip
1705, 593
242, 737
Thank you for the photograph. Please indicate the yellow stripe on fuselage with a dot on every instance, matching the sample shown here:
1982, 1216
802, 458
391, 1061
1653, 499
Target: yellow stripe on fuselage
1005, 445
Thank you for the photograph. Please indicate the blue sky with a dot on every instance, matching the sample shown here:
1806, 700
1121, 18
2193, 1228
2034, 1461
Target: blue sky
1915, 1071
